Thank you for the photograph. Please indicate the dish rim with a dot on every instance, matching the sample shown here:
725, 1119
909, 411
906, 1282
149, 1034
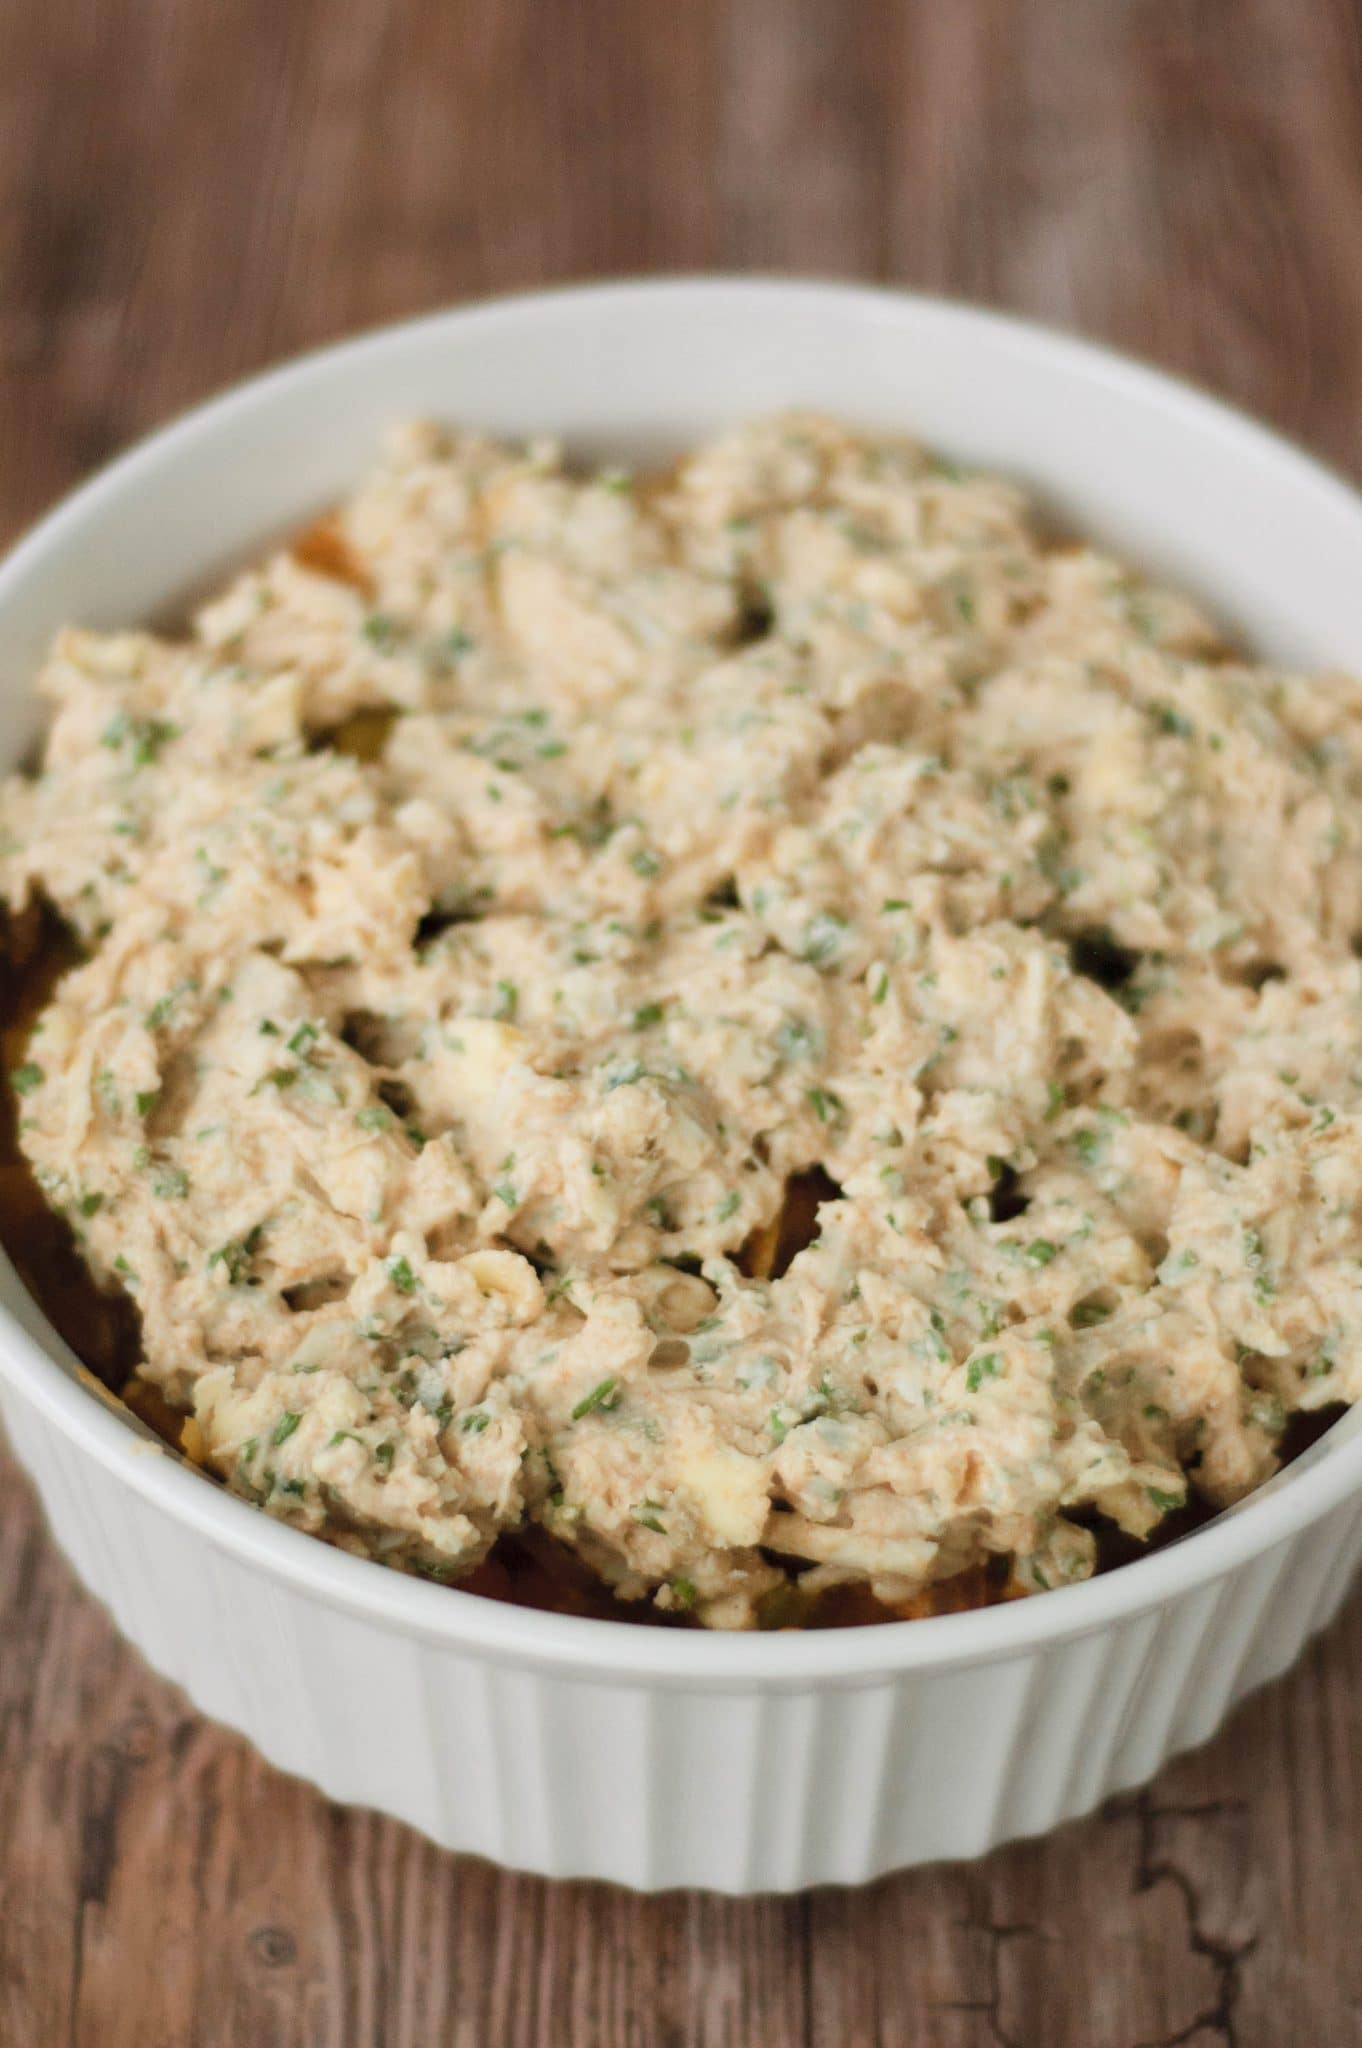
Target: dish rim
39, 1366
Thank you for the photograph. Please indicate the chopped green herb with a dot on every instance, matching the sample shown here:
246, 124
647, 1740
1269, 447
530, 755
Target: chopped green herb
1167, 1503
26, 1078
1171, 721
285, 1426
401, 1275
143, 737
237, 1256
604, 1396
623, 1074
986, 1367
380, 631
826, 1106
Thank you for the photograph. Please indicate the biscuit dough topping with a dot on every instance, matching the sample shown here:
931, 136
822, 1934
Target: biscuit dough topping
499, 912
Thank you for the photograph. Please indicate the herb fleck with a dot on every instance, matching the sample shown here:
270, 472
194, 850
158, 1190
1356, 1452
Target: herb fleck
603, 1396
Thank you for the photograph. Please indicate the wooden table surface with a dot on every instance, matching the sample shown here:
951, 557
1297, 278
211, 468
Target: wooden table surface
190, 188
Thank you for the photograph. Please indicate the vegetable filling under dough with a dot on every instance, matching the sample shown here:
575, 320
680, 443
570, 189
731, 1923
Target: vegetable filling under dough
493, 908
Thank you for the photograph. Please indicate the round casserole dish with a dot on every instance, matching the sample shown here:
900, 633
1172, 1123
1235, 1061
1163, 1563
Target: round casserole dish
576, 1747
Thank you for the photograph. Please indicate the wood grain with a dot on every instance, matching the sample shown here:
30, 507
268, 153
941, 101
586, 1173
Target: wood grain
188, 191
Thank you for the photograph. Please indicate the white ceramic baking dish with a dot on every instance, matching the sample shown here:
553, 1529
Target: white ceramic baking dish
577, 1747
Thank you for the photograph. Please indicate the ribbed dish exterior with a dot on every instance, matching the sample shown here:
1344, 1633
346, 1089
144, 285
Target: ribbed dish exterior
655, 1786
